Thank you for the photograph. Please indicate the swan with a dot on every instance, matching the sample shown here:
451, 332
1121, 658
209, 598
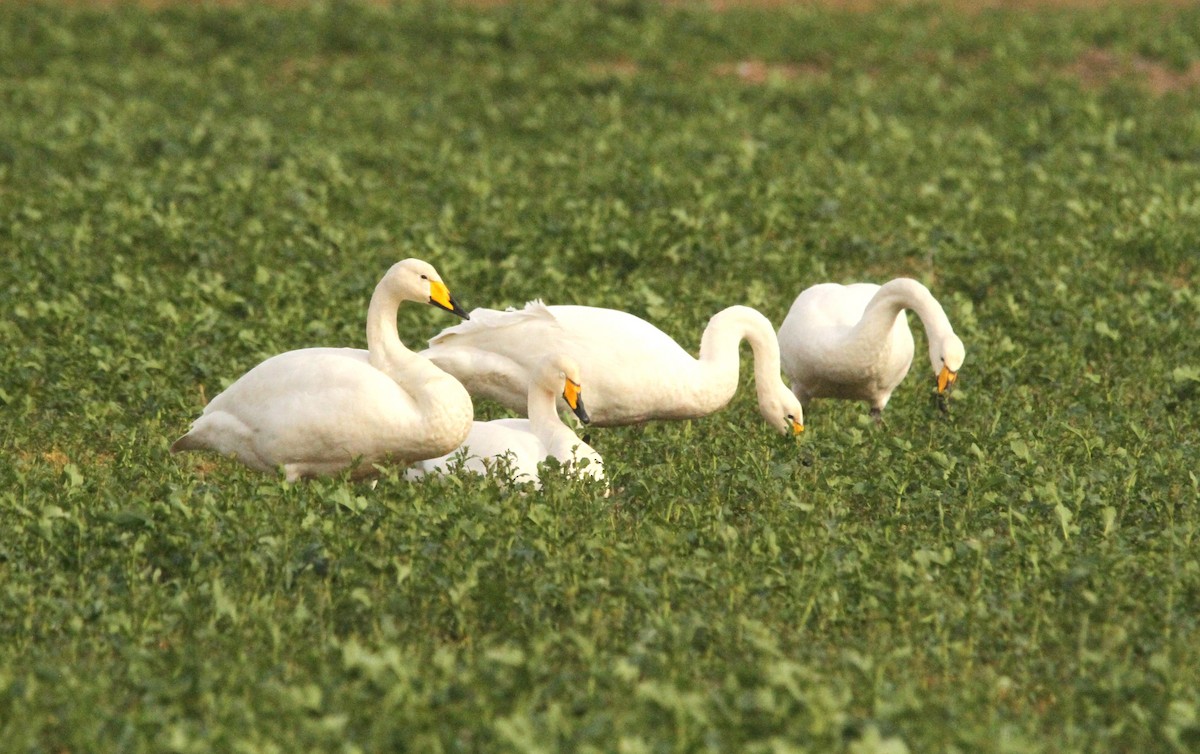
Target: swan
317, 411
853, 341
636, 372
527, 442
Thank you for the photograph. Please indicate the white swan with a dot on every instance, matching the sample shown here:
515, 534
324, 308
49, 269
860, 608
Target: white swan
527, 442
635, 371
853, 341
318, 411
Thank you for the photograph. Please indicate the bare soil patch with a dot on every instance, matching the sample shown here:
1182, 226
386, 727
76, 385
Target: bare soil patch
1098, 68
760, 72
56, 458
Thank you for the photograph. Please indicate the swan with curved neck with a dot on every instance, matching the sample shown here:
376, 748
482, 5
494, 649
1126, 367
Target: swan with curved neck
318, 411
636, 372
527, 442
853, 341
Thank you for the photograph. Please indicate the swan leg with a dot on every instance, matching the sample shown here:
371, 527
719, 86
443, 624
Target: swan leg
877, 415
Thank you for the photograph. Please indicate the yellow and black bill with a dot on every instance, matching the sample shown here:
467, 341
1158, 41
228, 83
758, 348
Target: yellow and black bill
439, 296
571, 394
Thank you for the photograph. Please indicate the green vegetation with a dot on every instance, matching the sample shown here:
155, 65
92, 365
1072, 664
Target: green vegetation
186, 191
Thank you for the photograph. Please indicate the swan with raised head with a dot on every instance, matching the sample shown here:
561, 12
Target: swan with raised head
853, 341
527, 442
635, 371
318, 411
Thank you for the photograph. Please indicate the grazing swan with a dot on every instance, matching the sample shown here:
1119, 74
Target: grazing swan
636, 372
321, 410
527, 442
853, 341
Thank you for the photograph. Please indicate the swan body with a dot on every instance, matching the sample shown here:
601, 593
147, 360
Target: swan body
853, 341
318, 411
636, 372
527, 442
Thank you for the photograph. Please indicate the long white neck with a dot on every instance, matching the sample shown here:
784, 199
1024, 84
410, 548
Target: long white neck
558, 439
719, 354
441, 403
892, 298
386, 352
421, 379
543, 414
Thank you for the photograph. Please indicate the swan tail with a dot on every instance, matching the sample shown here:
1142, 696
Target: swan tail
219, 431
185, 443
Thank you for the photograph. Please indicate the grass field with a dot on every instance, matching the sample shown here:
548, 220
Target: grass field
186, 190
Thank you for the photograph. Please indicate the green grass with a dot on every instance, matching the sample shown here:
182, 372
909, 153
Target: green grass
187, 191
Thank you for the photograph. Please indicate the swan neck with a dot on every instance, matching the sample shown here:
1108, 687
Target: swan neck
932, 315
894, 297
719, 348
542, 410
386, 352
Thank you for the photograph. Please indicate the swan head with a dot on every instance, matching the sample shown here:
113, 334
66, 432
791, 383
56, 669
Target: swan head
946, 356
416, 280
560, 374
781, 408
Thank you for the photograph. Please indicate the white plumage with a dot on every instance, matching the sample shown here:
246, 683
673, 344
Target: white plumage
853, 341
525, 443
318, 411
635, 372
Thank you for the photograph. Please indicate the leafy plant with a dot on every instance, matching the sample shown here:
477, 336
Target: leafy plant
188, 189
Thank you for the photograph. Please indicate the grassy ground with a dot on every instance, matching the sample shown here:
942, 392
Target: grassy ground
186, 190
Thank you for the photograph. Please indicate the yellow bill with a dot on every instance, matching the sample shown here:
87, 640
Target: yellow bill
797, 427
439, 295
945, 380
571, 394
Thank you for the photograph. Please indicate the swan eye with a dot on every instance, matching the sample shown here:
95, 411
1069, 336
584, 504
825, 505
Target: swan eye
424, 277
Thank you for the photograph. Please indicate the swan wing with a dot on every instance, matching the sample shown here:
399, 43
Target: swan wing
632, 370
485, 324
323, 406
493, 354
585, 333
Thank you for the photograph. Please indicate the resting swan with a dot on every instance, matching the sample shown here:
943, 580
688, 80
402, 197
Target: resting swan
527, 442
635, 371
318, 411
853, 341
